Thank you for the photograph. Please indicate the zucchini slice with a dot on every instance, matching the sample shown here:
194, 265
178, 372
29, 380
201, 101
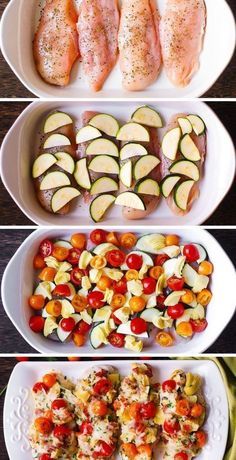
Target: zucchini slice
147, 116
133, 132
56, 120
170, 143
56, 140
186, 168
63, 196
198, 124
105, 123
104, 164
96, 336
65, 161
42, 164
181, 194
185, 125
168, 184
189, 149
145, 165
100, 205
81, 174
87, 133
103, 185
148, 187
54, 179
132, 149
126, 174
102, 147
131, 200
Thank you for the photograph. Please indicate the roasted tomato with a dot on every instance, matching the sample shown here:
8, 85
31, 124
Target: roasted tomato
74, 256
169, 385
45, 248
61, 432
86, 428
40, 386
117, 340
191, 253
197, 410
59, 404
102, 386
99, 408
95, 299
43, 425
171, 426
104, 450
148, 410
181, 456
175, 284
115, 258
49, 380
98, 236
45, 457
183, 407
201, 438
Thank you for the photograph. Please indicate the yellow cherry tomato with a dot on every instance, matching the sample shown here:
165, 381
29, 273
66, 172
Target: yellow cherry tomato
36, 302
118, 300
188, 297
128, 240
172, 240
78, 240
131, 275
79, 303
54, 308
112, 238
78, 339
164, 339
205, 268
49, 380
184, 329
59, 253
204, 297
47, 274
98, 262
137, 304
104, 283
156, 272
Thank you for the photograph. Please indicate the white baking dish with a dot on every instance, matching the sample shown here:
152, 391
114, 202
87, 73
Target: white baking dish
21, 145
19, 406
19, 273
19, 23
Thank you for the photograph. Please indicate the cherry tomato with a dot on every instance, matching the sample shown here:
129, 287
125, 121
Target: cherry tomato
184, 329
54, 307
120, 287
115, 258
134, 261
112, 238
148, 410
49, 380
79, 303
36, 302
149, 285
198, 325
191, 253
169, 385
161, 259
78, 339
129, 449
118, 300
38, 262
197, 410
171, 426
137, 304
205, 268
164, 339
40, 386
74, 256
138, 325
115, 319
183, 407
98, 236
82, 327
201, 438
128, 240
45, 248
36, 323
76, 276
176, 311
104, 283
117, 340
60, 253
160, 302
132, 275
67, 324
188, 297
58, 404
95, 299
156, 272
204, 297
98, 262
105, 450
45, 457
47, 274
86, 428
181, 456
102, 386
172, 240
62, 290
176, 284
61, 432
99, 408
78, 240
43, 425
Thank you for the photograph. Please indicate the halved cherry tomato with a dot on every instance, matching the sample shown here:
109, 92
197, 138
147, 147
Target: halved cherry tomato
134, 410
164, 339
191, 253
98, 262
129, 449
45, 457
204, 297
54, 307
188, 297
137, 304
201, 438
172, 240
38, 262
59, 404
79, 303
61, 432
99, 408
115, 258
43, 425
105, 450
36, 323
198, 325
68, 324
40, 386
116, 340
132, 275
104, 283
160, 302
78, 240
45, 248
149, 285
62, 290
60, 253
156, 272
102, 386
98, 236
47, 274
95, 299
176, 311
183, 407
148, 410
138, 325
49, 380
76, 276
36, 302
78, 339
112, 238
86, 428
169, 385
161, 259
120, 287
128, 240
197, 410
74, 256
134, 261
171, 426
184, 329
82, 327
118, 300
205, 268
181, 456
176, 284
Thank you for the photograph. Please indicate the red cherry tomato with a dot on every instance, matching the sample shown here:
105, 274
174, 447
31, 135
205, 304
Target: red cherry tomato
95, 299
115, 319
160, 302
181, 456
191, 253
40, 386
199, 325
138, 326
86, 428
134, 261
105, 450
116, 339
61, 290
61, 432
171, 426
169, 385
82, 327
161, 259
148, 410
68, 324
45, 457
36, 323
76, 276
74, 256
98, 236
58, 404
45, 248
176, 284
149, 285
102, 386
120, 287
176, 311
115, 258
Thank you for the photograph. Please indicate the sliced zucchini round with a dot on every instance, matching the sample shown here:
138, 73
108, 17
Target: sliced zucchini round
186, 168
105, 123
133, 132
56, 120
189, 149
185, 125
42, 164
103, 185
102, 147
104, 164
96, 336
63, 244
65, 161
181, 194
131, 200
56, 140
170, 143
145, 165
198, 124
126, 174
100, 205
63, 196
54, 179
81, 174
147, 116
168, 184
132, 149
87, 133
148, 187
